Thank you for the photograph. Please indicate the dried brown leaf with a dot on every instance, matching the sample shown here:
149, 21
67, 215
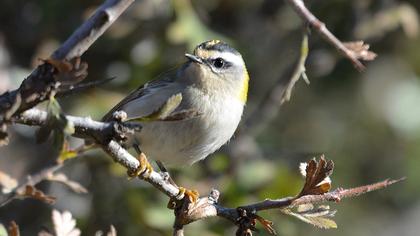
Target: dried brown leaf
64, 224
69, 72
317, 179
268, 225
7, 183
73, 185
360, 50
13, 229
32, 192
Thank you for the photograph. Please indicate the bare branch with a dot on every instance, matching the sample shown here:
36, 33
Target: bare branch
42, 81
102, 133
245, 216
80, 41
279, 93
319, 26
209, 208
30, 181
340, 193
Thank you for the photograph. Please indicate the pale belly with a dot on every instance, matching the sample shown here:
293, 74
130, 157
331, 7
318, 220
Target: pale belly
185, 142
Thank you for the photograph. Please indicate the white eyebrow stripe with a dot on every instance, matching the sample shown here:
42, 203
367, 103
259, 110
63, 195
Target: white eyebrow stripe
230, 57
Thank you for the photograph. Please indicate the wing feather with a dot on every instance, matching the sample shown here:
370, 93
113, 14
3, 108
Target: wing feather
147, 98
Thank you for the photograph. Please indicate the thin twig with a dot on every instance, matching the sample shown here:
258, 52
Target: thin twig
287, 202
319, 26
34, 179
80, 41
36, 86
278, 93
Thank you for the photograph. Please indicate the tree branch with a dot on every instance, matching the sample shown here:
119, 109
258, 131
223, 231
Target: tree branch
39, 84
205, 207
30, 180
103, 133
80, 41
319, 26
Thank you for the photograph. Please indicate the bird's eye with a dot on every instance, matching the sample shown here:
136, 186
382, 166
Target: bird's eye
218, 62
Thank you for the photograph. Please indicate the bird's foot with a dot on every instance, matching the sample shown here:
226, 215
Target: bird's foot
144, 169
183, 194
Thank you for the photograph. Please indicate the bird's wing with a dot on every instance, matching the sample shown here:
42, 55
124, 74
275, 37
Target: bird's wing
147, 98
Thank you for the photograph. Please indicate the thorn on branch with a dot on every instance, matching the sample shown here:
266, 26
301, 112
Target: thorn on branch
214, 196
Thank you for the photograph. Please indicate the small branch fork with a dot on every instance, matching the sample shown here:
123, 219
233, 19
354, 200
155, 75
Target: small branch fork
319, 26
39, 82
43, 81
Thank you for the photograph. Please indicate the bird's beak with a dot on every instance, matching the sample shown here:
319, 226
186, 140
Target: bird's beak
194, 58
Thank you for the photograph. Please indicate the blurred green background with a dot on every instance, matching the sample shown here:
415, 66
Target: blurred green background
368, 123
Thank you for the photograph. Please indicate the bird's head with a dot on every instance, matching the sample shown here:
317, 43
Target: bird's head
221, 66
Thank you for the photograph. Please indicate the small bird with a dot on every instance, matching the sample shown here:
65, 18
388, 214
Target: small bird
213, 83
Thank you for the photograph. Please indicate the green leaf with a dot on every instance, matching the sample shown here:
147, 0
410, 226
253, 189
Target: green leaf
57, 125
317, 216
67, 155
299, 71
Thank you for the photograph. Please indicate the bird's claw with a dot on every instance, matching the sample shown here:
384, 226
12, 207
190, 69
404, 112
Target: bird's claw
192, 195
144, 169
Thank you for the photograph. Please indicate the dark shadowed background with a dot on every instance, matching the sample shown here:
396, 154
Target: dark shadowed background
368, 123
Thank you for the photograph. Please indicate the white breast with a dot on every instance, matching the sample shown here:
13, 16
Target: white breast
188, 141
